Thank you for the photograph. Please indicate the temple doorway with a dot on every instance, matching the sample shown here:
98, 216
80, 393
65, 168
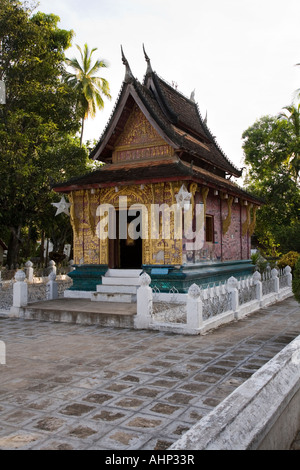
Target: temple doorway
125, 253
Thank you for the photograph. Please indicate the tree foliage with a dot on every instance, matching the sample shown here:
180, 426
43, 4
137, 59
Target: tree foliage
271, 148
38, 122
296, 280
89, 87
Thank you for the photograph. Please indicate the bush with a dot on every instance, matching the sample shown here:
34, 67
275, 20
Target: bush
259, 261
296, 281
290, 259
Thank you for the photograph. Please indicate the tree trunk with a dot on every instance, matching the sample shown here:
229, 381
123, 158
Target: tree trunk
14, 246
82, 128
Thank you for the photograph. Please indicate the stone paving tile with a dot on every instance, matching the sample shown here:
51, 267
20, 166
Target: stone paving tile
122, 439
131, 403
60, 444
21, 440
79, 387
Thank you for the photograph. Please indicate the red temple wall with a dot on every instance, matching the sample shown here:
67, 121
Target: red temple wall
230, 246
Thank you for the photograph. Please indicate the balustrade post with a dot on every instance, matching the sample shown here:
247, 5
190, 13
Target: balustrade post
29, 271
257, 282
232, 288
194, 307
275, 278
52, 267
144, 303
51, 287
288, 273
20, 293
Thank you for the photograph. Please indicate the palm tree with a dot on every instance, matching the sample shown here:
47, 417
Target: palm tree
90, 88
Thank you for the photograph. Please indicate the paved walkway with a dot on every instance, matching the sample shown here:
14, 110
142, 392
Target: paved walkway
67, 386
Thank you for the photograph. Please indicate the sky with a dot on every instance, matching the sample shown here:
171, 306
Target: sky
239, 56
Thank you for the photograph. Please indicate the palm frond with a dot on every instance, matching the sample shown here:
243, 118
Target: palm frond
99, 64
84, 80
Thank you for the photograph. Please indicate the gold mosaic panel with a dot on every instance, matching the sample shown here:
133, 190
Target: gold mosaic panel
91, 240
76, 211
90, 249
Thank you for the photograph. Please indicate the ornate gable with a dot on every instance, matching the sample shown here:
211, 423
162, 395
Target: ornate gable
139, 140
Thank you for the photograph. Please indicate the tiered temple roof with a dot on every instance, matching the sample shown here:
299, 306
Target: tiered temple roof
177, 120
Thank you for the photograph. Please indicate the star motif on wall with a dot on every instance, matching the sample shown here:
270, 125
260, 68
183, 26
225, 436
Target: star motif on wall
62, 206
183, 197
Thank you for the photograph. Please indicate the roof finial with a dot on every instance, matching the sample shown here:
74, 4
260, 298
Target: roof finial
192, 98
149, 68
128, 74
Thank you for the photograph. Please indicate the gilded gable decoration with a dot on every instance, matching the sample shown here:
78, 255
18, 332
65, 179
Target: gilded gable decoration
139, 140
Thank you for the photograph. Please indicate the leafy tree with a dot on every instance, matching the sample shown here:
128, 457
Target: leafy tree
296, 281
292, 115
89, 87
270, 148
36, 122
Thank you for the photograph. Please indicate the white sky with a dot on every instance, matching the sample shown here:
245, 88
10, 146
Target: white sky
239, 55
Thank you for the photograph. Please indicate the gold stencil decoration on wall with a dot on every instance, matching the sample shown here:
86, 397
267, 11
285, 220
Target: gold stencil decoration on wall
93, 249
74, 220
253, 222
77, 222
246, 224
193, 189
227, 220
91, 218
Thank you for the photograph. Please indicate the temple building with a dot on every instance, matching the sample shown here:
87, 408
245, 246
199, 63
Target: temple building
157, 150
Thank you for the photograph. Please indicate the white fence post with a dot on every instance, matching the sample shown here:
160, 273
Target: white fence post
194, 307
20, 294
258, 284
144, 303
29, 271
52, 267
51, 287
288, 273
20, 290
232, 288
274, 274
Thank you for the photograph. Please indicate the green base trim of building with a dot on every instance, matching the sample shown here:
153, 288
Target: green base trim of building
205, 274
167, 277
87, 277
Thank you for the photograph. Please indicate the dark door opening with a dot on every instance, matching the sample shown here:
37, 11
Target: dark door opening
125, 253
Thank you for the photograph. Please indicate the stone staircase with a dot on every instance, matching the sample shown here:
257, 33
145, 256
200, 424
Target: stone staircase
118, 285
81, 311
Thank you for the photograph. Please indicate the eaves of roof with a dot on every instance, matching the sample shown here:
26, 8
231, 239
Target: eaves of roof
152, 171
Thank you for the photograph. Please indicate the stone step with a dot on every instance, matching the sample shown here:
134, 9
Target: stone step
113, 297
120, 281
82, 311
124, 273
109, 289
